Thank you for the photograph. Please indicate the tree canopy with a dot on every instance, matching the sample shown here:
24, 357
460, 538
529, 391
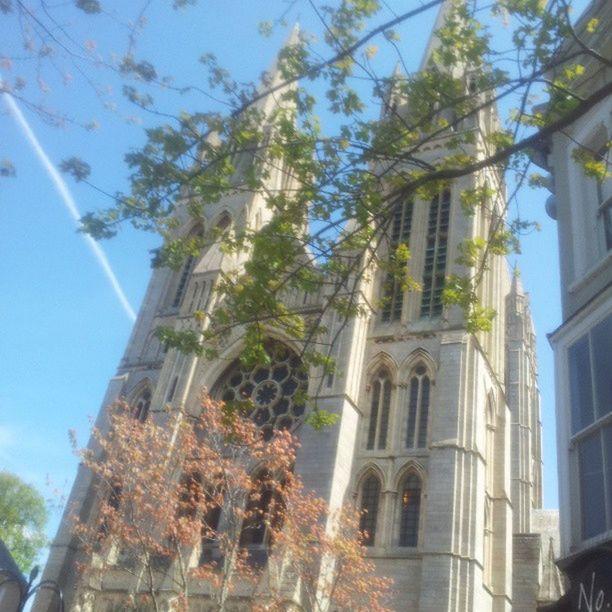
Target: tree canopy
498, 80
23, 516
200, 507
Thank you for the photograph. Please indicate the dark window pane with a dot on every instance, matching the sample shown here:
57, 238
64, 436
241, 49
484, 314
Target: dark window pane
373, 414
581, 395
601, 340
400, 234
424, 412
183, 280
256, 513
369, 509
606, 213
384, 416
434, 270
412, 411
592, 498
607, 442
410, 511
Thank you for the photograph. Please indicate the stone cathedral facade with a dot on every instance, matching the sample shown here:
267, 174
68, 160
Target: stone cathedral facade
438, 436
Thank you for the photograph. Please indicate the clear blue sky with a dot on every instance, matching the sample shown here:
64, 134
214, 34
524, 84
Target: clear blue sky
63, 329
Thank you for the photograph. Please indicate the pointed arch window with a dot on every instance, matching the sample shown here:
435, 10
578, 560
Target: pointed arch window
393, 296
380, 408
370, 496
264, 507
211, 519
435, 254
183, 281
140, 408
410, 510
418, 408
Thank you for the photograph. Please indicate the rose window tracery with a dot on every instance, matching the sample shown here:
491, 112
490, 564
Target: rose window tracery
275, 394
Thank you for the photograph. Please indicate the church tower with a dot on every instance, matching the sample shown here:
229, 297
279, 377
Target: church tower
438, 431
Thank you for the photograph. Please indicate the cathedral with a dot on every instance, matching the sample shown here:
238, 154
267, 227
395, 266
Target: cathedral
438, 437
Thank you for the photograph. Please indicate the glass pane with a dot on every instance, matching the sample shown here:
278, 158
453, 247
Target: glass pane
369, 509
581, 394
384, 416
424, 416
373, 414
592, 500
412, 411
607, 442
409, 518
601, 339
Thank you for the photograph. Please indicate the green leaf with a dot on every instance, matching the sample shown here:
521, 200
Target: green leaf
320, 419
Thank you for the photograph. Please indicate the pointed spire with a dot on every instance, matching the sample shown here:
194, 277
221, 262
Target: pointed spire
389, 93
434, 42
294, 35
551, 587
398, 73
517, 285
272, 78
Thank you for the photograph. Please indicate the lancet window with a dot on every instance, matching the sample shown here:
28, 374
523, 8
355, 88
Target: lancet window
140, 408
418, 408
183, 281
401, 225
436, 248
263, 508
410, 510
370, 496
380, 408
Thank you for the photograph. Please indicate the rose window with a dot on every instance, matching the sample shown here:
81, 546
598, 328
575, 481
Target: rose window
275, 394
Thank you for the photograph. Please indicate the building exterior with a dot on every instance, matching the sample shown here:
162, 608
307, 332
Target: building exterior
582, 206
438, 436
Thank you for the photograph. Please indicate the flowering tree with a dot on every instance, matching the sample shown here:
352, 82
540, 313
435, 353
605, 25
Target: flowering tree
203, 506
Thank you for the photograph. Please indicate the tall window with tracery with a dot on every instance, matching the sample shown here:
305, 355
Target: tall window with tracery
370, 495
264, 508
393, 296
436, 248
410, 510
418, 408
380, 408
183, 281
140, 408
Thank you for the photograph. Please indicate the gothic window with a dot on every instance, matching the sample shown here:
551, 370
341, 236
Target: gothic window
264, 508
435, 254
418, 408
274, 394
224, 222
184, 277
410, 510
190, 493
172, 389
112, 503
380, 408
393, 296
591, 403
210, 526
370, 496
140, 408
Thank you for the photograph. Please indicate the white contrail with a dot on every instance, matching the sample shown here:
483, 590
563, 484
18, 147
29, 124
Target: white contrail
68, 200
